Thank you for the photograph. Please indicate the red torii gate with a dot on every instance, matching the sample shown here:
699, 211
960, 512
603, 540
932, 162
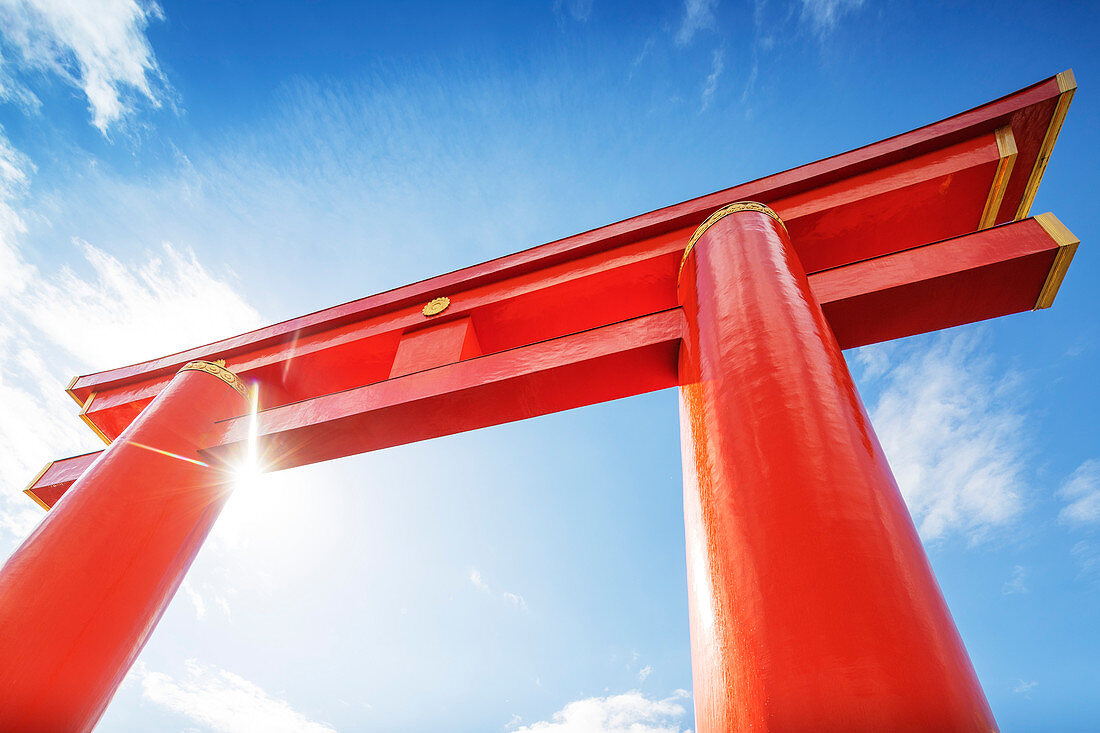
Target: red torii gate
812, 603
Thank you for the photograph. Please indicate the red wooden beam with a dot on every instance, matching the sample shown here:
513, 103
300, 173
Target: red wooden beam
55, 479
939, 181
1006, 269
932, 196
884, 241
605, 363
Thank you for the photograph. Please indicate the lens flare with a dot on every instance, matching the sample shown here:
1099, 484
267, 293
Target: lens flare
248, 474
167, 453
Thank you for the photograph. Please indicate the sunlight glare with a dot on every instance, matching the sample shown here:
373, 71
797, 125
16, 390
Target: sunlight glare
249, 472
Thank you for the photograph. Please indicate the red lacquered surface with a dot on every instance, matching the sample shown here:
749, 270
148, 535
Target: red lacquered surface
435, 345
812, 604
979, 275
909, 190
81, 595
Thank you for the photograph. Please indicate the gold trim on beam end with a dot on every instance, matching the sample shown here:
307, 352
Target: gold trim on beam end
1006, 145
1067, 246
37, 501
88, 421
721, 214
218, 370
69, 391
1067, 85
29, 491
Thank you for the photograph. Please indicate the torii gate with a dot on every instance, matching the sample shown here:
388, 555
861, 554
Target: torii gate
812, 603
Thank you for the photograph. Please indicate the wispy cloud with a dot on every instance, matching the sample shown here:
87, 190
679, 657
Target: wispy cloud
953, 431
1016, 583
196, 599
823, 15
644, 672
631, 712
710, 86
772, 21
698, 15
513, 599
97, 47
55, 323
579, 10
224, 701
1082, 492
127, 312
475, 578
1087, 557
1024, 688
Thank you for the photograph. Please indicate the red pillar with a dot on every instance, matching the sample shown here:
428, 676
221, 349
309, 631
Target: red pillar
82, 594
812, 603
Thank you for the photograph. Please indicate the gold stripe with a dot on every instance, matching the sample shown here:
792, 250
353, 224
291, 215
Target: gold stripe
721, 214
37, 501
1006, 146
1067, 85
69, 391
88, 421
29, 491
1067, 246
219, 371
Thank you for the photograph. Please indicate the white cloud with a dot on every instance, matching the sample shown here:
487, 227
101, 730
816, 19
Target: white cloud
1082, 491
630, 712
195, 598
475, 578
1024, 688
644, 672
225, 702
952, 431
1087, 557
60, 323
1016, 584
97, 46
516, 600
512, 598
717, 64
53, 324
124, 313
14, 171
772, 25
580, 10
698, 15
823, 15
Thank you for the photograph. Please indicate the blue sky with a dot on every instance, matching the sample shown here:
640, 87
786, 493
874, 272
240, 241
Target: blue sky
177, 173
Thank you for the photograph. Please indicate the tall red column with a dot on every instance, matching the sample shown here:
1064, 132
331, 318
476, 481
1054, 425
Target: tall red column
82, 594
812, 603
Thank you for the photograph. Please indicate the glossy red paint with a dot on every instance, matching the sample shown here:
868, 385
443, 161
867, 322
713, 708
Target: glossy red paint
812, 604
965, 279
813, 607
960, 280
57, 477
607, 363
80, 596
919, 187
435, 345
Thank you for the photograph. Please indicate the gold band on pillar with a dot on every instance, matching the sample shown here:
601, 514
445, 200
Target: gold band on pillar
219, 371
721, 213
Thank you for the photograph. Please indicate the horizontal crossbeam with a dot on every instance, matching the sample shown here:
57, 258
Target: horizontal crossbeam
1005, 269
940, 181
